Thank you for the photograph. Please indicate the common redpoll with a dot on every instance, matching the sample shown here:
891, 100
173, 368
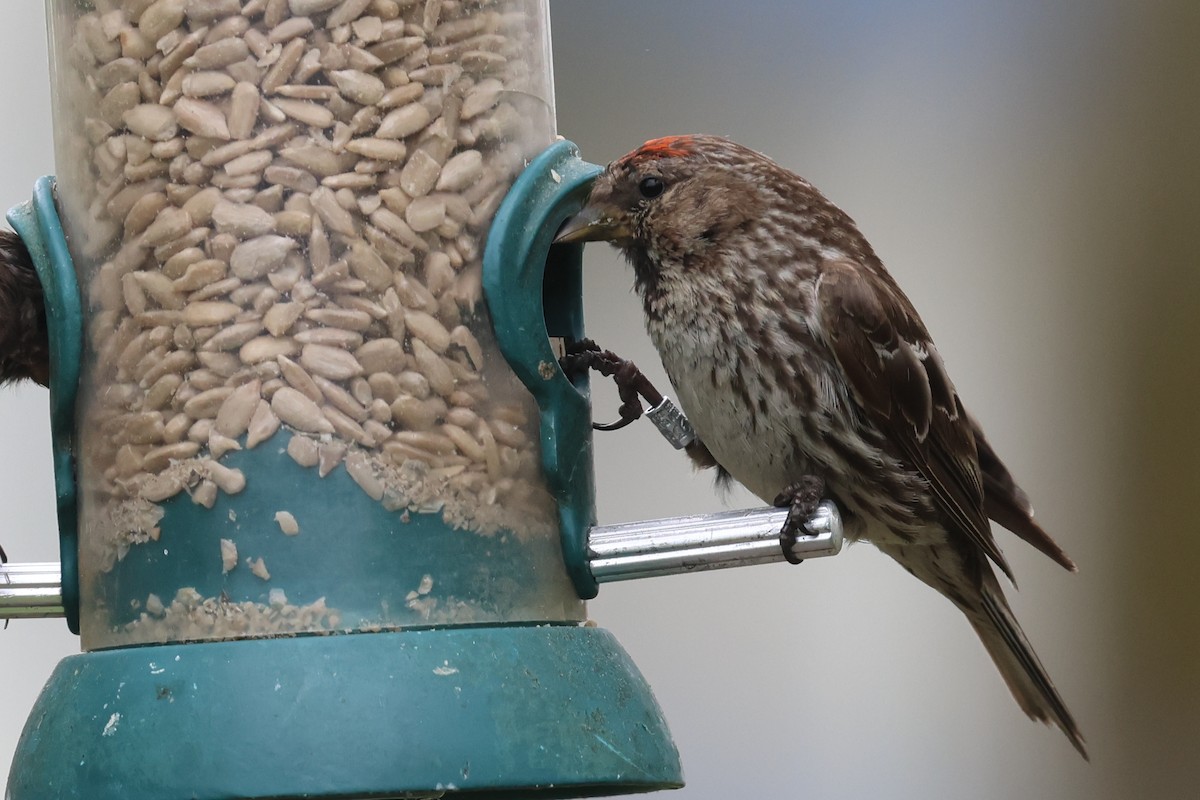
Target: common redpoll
24, 346
808, 374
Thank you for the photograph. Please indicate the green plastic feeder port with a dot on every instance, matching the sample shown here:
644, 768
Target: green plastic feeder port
322, 505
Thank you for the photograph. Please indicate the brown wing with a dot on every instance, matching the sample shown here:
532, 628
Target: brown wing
902, 388
1005, 502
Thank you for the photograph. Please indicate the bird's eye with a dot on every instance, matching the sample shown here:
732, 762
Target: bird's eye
651, 186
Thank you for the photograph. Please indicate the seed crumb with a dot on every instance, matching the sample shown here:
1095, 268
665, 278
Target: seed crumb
287, 522
259, 568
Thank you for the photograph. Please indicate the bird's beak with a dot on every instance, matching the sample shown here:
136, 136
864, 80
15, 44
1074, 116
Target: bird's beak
595, 223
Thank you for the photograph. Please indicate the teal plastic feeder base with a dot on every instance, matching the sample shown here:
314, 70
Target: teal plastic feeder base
499, 712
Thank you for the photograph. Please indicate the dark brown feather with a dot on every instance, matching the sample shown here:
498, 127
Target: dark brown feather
871, 325
702, 458
24, 344
1006, 503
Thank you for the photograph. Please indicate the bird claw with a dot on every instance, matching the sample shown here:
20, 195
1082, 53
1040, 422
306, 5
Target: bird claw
801, 500
632, 385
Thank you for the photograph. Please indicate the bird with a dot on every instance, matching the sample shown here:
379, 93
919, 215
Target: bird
24, 339
807, 374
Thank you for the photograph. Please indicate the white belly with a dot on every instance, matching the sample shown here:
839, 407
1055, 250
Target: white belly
760, 459
765, 450
767, 447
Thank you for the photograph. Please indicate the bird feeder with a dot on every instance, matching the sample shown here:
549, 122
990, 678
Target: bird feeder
325, 498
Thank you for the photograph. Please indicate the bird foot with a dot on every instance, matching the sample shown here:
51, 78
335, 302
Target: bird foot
632, 385
801, 499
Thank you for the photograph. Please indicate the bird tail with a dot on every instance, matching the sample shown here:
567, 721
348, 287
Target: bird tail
1027, 679
1007, 504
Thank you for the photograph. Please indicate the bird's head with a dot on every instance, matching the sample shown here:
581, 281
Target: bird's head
672, 198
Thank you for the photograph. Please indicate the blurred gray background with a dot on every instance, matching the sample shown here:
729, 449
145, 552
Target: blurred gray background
1028, 171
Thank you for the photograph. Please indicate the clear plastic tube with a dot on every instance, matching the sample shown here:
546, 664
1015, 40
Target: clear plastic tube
294, 415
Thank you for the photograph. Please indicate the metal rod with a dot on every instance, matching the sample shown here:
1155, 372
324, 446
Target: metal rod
31, 591
705, 541
629, 550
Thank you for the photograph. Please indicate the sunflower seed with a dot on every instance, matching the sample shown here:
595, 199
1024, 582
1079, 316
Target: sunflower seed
151, 121
358, 86
330, 337
158, 458
403, 122
157, 488
201, 118
251, 164
420, 173
384, 385
160, 18
243, 110
233, 417
207, 83
427, 328
216, 55
329, 455
360, 470
169, 224
367, 265
263, 424
209, 312
263, 348
281, 316
332, 214
460, 171
303, 450
207, 403
346, 428
424, 214
466, 444
305, 111
231, 337
329, 362
254, 258
219, 445
435, 370
381, 356
298, 411
243, 220
303, 8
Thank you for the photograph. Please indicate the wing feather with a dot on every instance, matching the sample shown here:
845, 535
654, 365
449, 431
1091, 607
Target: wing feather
902, 388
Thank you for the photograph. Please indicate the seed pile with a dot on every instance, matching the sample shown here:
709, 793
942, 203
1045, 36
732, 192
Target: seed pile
277, 209
190, 615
